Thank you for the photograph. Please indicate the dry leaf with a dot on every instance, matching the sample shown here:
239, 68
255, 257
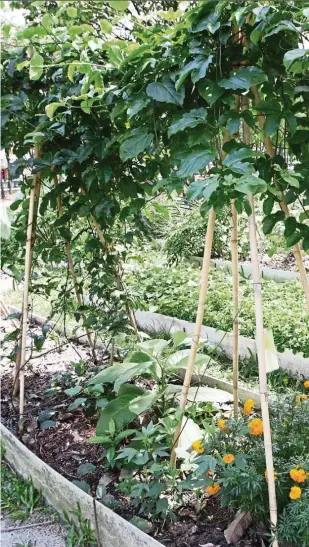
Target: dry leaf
238, 527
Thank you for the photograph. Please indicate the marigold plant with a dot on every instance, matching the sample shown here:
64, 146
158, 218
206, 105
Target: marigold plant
306, 384
228, 458
248, 407
295, 493
213, 488
255, 427
198, 447
222, 425
298, 474
302, 397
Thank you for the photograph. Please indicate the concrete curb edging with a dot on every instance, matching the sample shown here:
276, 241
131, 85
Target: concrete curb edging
296, 364
64, 496
246, 269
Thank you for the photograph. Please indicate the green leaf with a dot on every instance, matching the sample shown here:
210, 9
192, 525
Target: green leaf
244, 78
293, 60
106, 26
133, 146
232, 126
36, 67
290, 226
189, 119
200, 73
164, 92
110, 374
154, 347
292, 181
136, 106
47, 424
179, 337
85, 469
82, 485
139, 522
195, 161
249, 184
138, 370
283, 25
118, 410
293, 239
270, 221
78, 402
179, 359
196, 64
268, 205
73, 391
210, 91
119, 5
272, 123
144, 402
257, 32
51, 108
102, 439
72, 12
233, 160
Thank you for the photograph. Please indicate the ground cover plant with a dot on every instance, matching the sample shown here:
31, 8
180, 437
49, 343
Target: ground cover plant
174, 291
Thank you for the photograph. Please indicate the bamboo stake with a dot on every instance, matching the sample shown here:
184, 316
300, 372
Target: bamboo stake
198, 324
34, 193
118, 278
78, 292
235, 275
256, 281
296, 248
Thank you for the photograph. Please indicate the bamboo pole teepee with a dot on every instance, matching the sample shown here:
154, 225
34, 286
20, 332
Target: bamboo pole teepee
235, 276
34, 196
78, 290
271, 152
198, 323
256, 281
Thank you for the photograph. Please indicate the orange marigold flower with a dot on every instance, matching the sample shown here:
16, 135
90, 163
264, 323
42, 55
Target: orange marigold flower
306, 384
248, 407
266, 475
255, 426
228, 458
198, 447
298, 474
295, 493
222, 425
302, 397
213, 488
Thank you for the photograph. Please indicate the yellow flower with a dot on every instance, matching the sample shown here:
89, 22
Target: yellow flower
302, 397
266, 475
306, 384
248, 407
222, 425
198, 447
255, 426
298, 474
295, 493
228, 458
213, 488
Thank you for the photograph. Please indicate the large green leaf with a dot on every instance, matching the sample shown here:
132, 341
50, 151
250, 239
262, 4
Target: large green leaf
119, 5
195, 161
137, 105
249, 184
165, 92
200, 73
180, 360
234, 160
210, 91
138, 370
270, 221
154, 347
118, 410
120, 373
133, 146
187, 69
202, 188
144, 402
36, 66
51, 108
189, 119
244, 78
296, 60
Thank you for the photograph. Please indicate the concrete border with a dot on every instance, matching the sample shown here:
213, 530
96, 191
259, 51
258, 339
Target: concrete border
246, 269
64, 496
296, 364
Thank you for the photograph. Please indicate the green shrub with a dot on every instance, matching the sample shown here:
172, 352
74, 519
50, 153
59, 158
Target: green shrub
174, 291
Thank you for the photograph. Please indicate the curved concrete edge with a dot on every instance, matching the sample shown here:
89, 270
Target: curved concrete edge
64, 496
296, 364
246, 269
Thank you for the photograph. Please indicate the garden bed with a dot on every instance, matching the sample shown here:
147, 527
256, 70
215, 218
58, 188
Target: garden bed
64, 448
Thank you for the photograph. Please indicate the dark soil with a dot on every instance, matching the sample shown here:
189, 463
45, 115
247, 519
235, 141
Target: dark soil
64, 447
